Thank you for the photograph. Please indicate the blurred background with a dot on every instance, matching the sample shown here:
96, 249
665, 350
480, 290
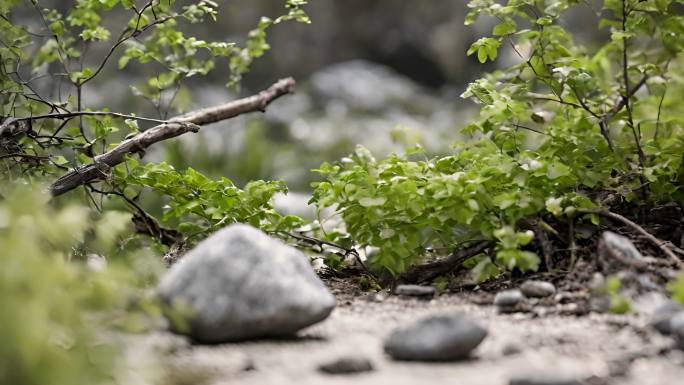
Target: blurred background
386, 74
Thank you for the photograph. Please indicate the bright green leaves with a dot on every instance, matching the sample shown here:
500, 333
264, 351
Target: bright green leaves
201, 204
486, 48
241, 59
97, 33
508, 252
404, 207
505, 28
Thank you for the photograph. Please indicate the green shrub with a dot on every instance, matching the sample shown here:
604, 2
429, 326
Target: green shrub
567, 125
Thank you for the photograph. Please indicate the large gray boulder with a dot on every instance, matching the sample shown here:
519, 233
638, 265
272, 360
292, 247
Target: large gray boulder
241, 284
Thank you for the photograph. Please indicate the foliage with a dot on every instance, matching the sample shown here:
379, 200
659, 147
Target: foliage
58, 315
154, 36
204, 205
619, 304
55, 310
677, 289
566, 125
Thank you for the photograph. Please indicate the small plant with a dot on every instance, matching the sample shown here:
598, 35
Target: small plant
677, 289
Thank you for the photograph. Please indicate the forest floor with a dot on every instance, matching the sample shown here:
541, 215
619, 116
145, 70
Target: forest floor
593, 348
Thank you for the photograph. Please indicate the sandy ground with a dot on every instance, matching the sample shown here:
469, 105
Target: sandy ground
600, 349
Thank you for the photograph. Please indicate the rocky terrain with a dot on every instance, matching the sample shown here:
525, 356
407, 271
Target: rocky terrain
530, 334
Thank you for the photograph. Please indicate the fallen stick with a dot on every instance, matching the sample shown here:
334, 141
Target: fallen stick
652, 239
177, 126
432, 270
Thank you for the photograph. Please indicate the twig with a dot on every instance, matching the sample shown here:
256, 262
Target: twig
429, 271
13, 124
640, 230
320, 243
180, 125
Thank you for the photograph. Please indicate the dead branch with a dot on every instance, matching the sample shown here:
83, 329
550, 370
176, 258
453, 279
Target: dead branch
432, 270
177, 126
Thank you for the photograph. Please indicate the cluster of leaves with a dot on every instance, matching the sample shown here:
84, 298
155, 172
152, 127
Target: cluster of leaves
55, 309
202, 205
563, 127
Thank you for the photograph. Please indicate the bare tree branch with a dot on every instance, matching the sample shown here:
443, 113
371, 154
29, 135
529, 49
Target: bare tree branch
177, 126
662, 246
432, 270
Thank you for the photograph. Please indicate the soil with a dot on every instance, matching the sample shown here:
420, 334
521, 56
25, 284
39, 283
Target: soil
596, 348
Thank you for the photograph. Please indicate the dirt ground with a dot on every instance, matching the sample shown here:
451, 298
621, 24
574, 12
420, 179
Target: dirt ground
598, 349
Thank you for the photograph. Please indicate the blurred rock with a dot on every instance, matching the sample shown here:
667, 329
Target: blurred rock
509, 301
415, 291
537, 289
240, 284
677, 328
663, 315
617, 252
447, 337
347, 365
544, 379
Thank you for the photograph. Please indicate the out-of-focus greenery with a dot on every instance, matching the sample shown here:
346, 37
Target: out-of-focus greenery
57, 313
677, 289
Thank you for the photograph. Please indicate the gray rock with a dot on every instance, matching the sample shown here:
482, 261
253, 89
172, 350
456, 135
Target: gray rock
347, 365
599, 303
616, 252
544, 379
537, 289
446, 337
241, 284
509, 298
660, 320
677, 328
415, 291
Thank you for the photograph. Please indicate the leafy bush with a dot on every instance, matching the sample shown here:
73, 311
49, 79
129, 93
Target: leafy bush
561, 130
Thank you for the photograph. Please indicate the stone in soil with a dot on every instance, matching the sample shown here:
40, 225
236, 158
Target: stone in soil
447, 337
677, 328
537, 289
347, 365
508, 301
544, 379
616, 252
241, 284
663, 314
415, 291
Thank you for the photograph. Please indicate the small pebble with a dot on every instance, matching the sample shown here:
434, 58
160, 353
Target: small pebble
511, 349
544, 379
507, 300
663, 314
347, 365
537, 289
415, 291
677, 328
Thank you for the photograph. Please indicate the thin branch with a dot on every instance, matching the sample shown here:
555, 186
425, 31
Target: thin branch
640, 230
177, 126
429, 271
